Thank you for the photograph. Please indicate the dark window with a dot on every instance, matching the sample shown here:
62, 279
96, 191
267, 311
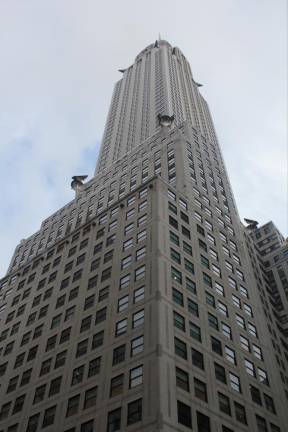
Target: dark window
203, 422
39, 394
224, 403
86, 323
220, 373
82, 348
116, 385
195, 331
114, 420
60, 359
18, 405
45, 367
184, 414
118, 354
94, 367
240, 413
200, 390
98, 339
182, 379
179, 321
180, 348
33, 423
134, 412
55, 386
216, 345
197, 359
255, 395
77, 375
49, 416
87, 426
72, 405
261, 424
90, 397
100, 315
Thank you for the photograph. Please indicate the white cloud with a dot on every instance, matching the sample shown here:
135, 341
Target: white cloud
59, 62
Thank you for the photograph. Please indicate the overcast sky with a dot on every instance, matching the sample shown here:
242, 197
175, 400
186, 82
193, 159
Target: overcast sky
59, 62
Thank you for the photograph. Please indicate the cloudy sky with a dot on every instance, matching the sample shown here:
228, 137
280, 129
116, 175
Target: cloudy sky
59, 61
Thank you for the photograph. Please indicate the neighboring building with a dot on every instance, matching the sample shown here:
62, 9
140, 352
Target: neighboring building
142, 304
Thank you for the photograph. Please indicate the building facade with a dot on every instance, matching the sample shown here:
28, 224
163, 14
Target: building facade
138, 305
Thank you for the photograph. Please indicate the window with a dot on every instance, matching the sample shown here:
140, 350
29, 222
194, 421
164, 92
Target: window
101, 315
177, 297
140, 273
90, 397
257, 351
73, 405
240, 321
94, 367
263, 377
49, 416
114, 420
82, 348
123, 303
252, 329
134, 412
77, 375
224, 403
204, 261
216, 345
176, 275
138, 319
230, 355
222, 308
141, 236
250, 368
213, 321
140, 253
55, 386
138, 294
184, 414
247, 309
187, 248
33, 423
269, 403
175, 256
235, 382
193, 307
195, 331
137, 345
190, 286
261, 424
98, 339
86, 427
116, 386
219, 289
240, 413
179, 321
255, 395
135, 376
60, 359
245, 343
203, 422
200, 390
226, 330
210, 300
127, 244
125, 262
220, 373
180, 348
189, 266
121, 327
207, 280
124, 282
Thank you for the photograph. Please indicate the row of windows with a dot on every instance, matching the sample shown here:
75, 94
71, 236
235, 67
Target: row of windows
134, 415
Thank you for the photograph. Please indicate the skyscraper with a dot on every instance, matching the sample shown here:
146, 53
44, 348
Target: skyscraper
141, 305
